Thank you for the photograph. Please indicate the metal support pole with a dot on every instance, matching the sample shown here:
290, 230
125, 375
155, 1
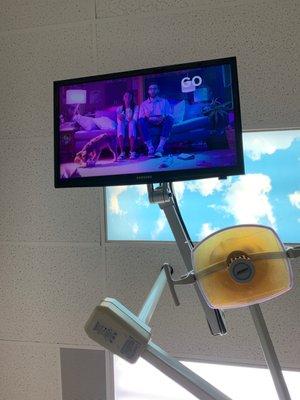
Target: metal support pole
269, 352
181, 374
163, 196
153, 298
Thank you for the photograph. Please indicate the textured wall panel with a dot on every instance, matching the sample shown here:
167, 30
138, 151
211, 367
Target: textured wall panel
48, 293
183, 330
83, 375
30, 61
29, 371
262, 35
112, 8
16, 14
31, 209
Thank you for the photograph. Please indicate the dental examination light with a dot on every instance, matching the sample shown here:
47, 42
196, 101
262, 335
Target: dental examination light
234, 267
241, 266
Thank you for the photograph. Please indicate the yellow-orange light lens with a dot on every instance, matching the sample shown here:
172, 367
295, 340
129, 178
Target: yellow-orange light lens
272, 275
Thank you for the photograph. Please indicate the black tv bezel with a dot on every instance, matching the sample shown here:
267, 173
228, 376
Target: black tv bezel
159, 176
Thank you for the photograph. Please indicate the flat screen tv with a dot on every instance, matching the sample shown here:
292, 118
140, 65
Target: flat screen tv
151, 125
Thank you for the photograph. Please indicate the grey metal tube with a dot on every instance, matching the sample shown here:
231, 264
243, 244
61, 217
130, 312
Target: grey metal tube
153, 298
181, 374
164, 196
269, 352
214, 318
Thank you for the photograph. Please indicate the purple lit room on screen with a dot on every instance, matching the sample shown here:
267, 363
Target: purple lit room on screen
175, 120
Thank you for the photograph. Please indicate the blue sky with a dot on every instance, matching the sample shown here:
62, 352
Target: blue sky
268, 194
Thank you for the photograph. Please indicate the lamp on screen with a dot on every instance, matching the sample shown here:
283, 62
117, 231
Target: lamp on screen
75, 96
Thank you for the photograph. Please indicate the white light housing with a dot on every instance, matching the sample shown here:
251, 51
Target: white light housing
118, 330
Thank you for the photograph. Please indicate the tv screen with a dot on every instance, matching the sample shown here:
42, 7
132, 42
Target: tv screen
153, 125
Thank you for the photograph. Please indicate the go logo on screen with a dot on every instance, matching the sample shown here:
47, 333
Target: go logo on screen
189, 85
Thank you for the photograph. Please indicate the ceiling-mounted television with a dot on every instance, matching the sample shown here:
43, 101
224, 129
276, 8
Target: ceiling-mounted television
157, 124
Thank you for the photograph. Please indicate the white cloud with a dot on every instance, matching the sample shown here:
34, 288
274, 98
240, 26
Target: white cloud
141, 189
247, 199
142, 199
114, 193
216, 207
257, 144
206, 187
160, 224
179, 188
295, 199
206, 230
135, 228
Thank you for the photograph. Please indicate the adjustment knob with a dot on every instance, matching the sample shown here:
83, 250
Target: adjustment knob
240, 267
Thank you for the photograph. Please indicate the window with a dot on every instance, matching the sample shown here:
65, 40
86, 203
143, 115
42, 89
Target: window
269, 194
144, 382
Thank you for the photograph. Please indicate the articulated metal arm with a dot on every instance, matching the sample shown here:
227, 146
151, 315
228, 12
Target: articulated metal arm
293, 252
120, 331
164, 196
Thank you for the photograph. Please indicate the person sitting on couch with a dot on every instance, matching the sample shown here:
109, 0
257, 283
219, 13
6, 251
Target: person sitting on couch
155, 112
127, 116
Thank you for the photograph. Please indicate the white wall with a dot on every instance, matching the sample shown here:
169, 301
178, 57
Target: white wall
55, 265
